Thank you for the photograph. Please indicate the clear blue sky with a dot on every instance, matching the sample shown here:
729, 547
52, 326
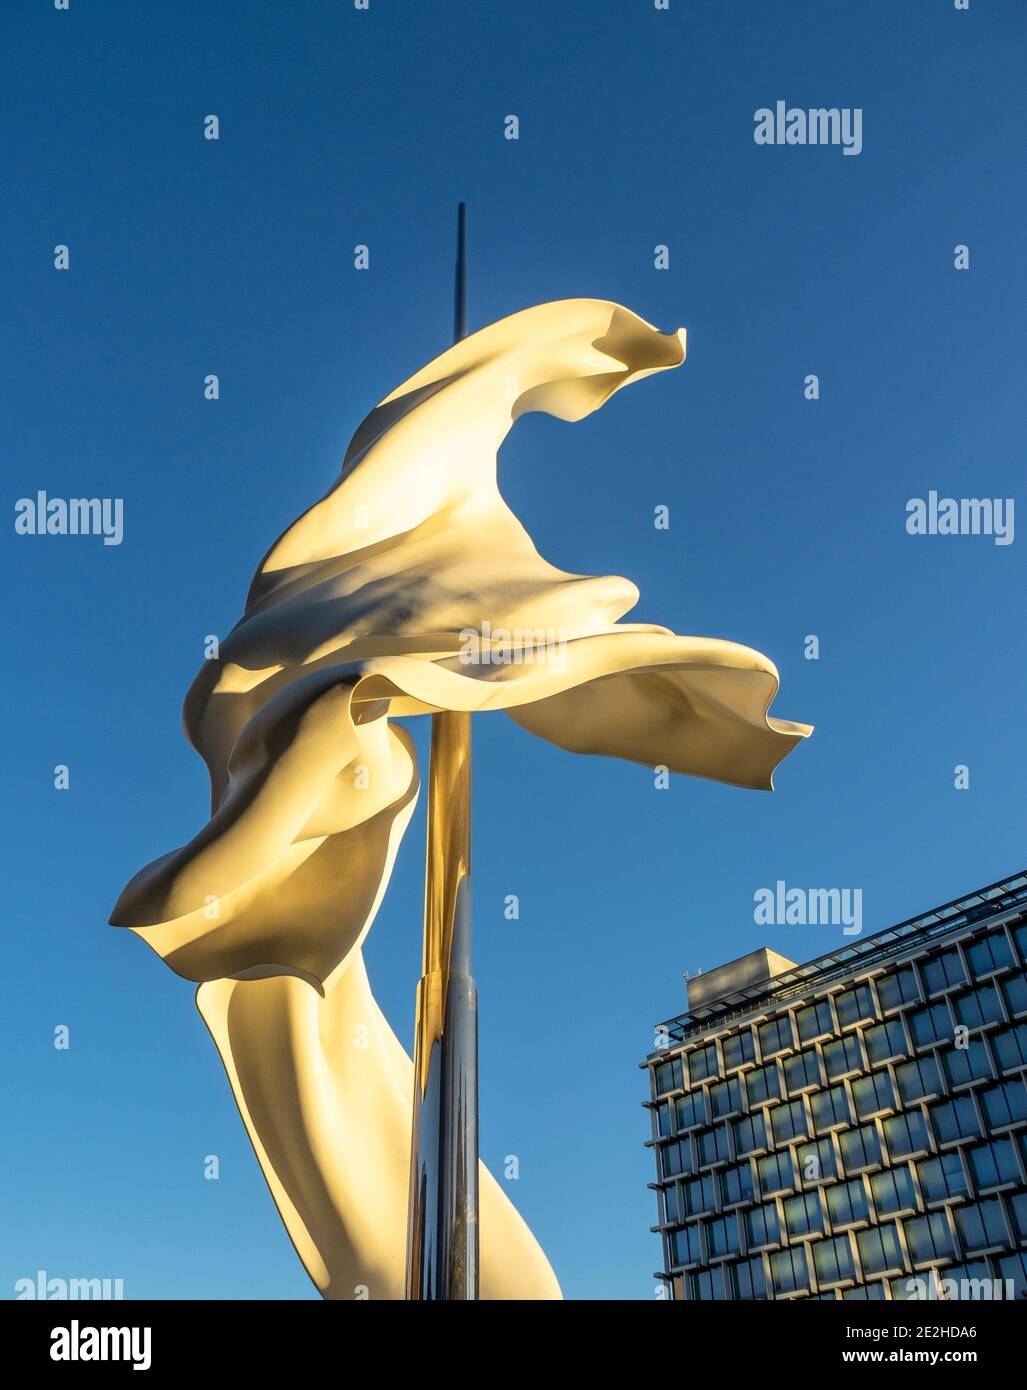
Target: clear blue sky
787, 518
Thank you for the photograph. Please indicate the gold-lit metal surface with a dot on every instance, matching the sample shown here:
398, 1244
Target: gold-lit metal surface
442, 1226
448, 862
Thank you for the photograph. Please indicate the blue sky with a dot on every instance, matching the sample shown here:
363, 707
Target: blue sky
787, 518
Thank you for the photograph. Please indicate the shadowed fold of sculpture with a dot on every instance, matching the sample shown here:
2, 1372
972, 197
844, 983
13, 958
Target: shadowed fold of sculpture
409, 588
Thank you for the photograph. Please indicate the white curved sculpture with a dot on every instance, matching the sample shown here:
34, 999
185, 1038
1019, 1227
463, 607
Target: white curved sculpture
409, 588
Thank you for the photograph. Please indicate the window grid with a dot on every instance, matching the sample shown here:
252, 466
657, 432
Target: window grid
837, 1147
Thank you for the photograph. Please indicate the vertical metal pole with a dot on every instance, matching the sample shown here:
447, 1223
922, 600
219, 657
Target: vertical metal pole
442, 1223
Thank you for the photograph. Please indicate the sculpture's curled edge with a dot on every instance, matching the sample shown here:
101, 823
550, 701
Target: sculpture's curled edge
360, 610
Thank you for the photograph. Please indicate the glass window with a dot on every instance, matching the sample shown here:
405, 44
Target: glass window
980, 1224
830, 1108
847, 1202
685, 1246
865, 1292
726, 1097
1005, 1103
860, 1147
970, 1063
978, 1007
671, 1205
697, 1196
929, 1238
789, 1121
762, 1226
941, 1177
879, 1249
943, 971
817, 1161
954, 1119
893, 1191
843, 1057
972, 1271
689, 1110
776, 1173
886, 1041
832, 1259
900, 988
906, 1134
1013, 1267
915, 1288
990, 952
932, 1024
918, 1078
872, 1094
750, 1134
704, 1284
814, 1021
676, 1158
1015, 991
1018, 1211
1011, 1046
736, 1184
763, 1084
722, 1236
713, 1147
854, 1005
738, 1049
668, 1076
789, 1271
993, 1164
748, 1279
802, 1070
775, 1036
804, 1215
702, 1063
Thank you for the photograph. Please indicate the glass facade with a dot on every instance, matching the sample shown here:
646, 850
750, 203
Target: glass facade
855, 1127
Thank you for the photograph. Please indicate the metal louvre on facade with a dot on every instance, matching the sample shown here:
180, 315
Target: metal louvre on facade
856, 1127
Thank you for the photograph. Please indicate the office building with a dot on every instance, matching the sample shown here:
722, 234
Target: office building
856, 1127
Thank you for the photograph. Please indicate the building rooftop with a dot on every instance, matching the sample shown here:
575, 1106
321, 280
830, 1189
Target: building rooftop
754, 968
711, 1007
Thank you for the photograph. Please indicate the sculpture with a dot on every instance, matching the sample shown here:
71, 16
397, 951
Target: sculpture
359, 611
